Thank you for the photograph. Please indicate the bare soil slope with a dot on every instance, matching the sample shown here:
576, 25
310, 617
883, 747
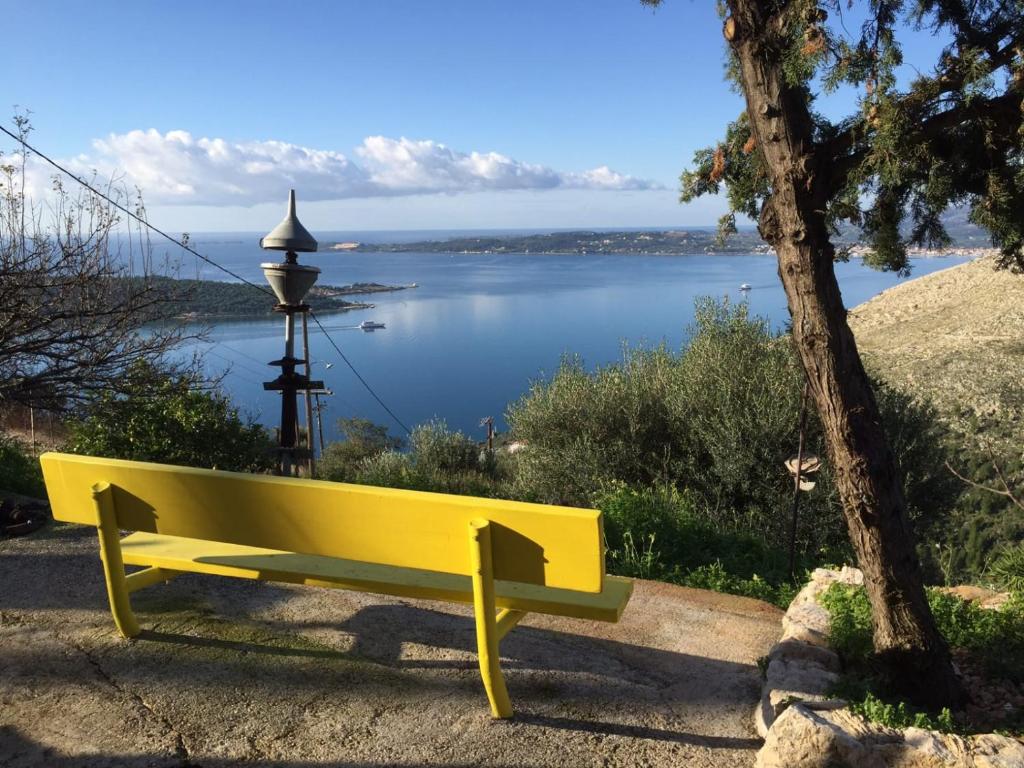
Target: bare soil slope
230, 672
956, 335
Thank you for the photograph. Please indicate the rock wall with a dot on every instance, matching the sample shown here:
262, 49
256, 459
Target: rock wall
803, 728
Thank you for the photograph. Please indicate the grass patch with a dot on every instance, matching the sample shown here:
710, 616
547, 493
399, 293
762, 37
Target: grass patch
659, 533
995, 638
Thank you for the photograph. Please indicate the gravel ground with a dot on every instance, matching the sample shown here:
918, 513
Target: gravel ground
231, 672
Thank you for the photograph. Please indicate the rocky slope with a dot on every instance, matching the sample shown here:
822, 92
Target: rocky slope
957, 336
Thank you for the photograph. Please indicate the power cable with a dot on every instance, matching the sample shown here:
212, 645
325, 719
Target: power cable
135, 217
369, 389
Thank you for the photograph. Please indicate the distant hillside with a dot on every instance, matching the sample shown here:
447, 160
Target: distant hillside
670, 242
958, 336
666, 243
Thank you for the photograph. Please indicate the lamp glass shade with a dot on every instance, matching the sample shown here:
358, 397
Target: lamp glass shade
290, 282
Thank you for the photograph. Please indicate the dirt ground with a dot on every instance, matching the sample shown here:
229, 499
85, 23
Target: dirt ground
231, 672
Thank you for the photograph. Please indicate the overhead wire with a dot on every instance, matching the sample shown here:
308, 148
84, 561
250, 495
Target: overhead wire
184, 246
369, 389
131, 214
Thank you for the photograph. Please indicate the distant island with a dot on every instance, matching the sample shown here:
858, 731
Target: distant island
967, 241
213, 299
666, 243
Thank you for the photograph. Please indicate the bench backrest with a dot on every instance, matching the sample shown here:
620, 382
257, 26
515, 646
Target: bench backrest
531, 543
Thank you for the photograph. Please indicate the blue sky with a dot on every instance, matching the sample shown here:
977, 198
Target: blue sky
525, 114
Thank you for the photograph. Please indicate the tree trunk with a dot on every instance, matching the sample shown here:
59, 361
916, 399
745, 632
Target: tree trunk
913, 654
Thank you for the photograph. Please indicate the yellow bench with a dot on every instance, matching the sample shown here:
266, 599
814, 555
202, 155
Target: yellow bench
506, 558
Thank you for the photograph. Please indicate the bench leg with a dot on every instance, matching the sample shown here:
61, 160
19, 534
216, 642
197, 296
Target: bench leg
113, 565
486, 621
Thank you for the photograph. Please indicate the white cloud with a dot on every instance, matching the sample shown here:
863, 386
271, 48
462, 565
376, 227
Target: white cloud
176, 168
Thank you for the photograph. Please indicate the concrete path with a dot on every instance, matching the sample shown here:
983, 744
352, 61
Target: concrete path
231, 672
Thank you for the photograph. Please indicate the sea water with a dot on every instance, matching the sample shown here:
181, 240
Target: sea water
479, 328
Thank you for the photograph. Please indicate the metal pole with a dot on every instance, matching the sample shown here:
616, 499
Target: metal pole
289, 411
796, 481
311, 466
319, 424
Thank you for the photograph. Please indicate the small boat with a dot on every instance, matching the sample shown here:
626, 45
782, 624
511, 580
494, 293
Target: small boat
746, 287
370, 325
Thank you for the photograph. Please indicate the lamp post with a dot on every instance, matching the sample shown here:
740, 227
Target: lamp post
290, 282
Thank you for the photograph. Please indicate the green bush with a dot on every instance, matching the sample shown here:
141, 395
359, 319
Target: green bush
899, 715
435, 449
582, 429
684, 539
655, 533
850, 629
716, 578
717, 421
994, 637
19, 472
340, 460
438, 459
168, 420
1008, 569
984, 524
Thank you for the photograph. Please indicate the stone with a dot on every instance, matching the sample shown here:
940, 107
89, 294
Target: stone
799, 677
990, 750
791, 680
801, 738
795, 650
928, 748
806, 622
803, 728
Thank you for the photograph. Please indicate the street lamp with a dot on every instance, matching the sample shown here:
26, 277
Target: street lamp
290, 282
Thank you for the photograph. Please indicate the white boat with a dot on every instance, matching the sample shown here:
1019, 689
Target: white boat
746, 287
370, 325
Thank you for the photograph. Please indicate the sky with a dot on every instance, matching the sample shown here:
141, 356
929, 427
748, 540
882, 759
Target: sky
394, 114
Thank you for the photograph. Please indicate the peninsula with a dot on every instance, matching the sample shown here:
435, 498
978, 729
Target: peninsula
213, 299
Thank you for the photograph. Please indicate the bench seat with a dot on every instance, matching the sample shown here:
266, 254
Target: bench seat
173, 553
505, 558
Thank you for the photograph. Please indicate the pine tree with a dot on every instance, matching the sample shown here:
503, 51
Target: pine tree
954, 136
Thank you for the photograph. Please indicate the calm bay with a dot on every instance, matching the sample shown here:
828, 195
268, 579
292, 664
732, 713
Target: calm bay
479, 327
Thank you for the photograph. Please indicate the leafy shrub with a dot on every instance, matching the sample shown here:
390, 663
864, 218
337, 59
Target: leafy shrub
899, 715
1008, 569
585, 428
984, 524
655, 533
684, 538
716, 578
340, 460
850, 631
19, 472
435, 449
438, 459
994, 637
717, 421
166, 419
386, 470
